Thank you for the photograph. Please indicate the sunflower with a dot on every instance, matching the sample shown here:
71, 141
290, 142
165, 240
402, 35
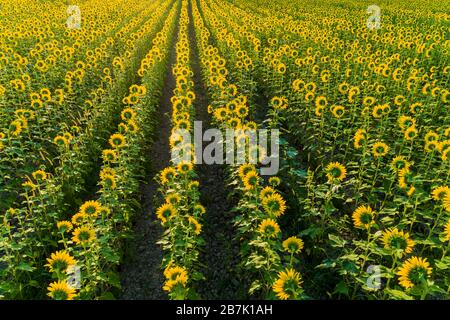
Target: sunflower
64, 226
405, 178
321, 102
336, 171
447, 230
29, 186
274, 204
117, 140
83, 235
293, 245
60, 141
166, 212
197, 226
399, 162
251, 180
447, 202
287, 286
439, 193
60, 261
359, 138
411, 133
380, 149
39, 175
79, 218
363, 217
184, 167
398, 240
109, 181
242, 111
128, 114
405, 122
266, 191
193, 185
199, 209
15, 128
413, 272
176, 278
431, 146
61, 290
338, 111
269, 228
90, 208
167, 175
274, 181
109, 155
431, 136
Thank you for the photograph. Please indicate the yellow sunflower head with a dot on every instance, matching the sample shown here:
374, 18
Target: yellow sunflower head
60, 261
397, 240
166, 212
293, 245
335, 172
414, 271
269, 228
363, 217
83, 235
288, 285
61, 290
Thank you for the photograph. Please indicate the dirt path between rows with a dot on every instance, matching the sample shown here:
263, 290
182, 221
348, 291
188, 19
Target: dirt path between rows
221, 252
142, 277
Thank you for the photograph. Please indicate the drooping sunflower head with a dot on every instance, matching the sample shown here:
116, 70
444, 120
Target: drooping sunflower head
274, 181
274, 204
61, 290
61, 141
363, 217
414, 271
405, 178
83, 235
117, 141
380, 149
397, 240
447, 231
90, 208
29, 186
176, 276
359, 138
39, 175
293, 245
199, 210
60, 261
166, 212
336, 172
288, 285
197, 227
269, 228
64, 226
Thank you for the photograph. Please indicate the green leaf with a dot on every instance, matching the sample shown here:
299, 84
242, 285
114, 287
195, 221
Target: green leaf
25, 267
341, 288
398, 295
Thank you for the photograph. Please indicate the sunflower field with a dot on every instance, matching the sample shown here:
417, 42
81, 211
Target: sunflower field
96, 98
